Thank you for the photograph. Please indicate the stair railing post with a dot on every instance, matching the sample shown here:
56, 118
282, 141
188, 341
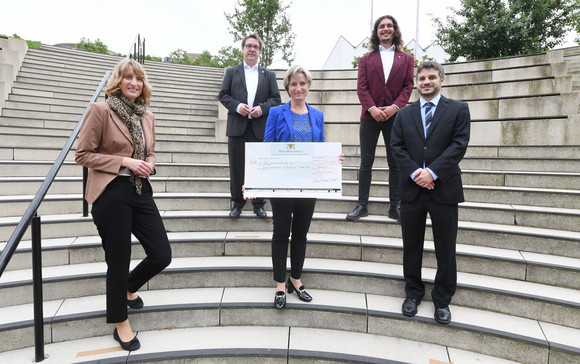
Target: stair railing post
37, 289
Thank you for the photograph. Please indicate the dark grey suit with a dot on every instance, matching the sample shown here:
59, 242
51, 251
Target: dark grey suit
241, 129
441, 151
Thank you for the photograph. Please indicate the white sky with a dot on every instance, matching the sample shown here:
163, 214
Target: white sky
198, 25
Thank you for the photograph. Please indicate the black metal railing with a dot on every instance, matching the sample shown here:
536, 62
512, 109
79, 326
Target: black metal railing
30, 216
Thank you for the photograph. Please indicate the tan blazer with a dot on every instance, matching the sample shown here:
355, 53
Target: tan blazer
104, 140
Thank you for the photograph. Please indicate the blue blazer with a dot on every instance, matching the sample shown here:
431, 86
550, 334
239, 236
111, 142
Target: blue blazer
279, 124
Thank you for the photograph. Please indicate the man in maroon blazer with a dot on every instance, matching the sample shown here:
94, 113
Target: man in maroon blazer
385, 83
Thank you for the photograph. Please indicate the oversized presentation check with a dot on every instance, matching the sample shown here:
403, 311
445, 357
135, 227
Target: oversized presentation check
293, 170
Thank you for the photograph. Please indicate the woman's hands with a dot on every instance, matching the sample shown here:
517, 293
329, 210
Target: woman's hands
141, 168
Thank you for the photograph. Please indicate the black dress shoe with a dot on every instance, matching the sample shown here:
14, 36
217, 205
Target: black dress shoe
236, 212
136, 304
442, 315
260, 212
132, 345
280, 300
302, 294
358, 212
410, 306
395, 213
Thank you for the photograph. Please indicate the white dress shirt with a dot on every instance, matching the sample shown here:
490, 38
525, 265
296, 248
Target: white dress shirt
251, 75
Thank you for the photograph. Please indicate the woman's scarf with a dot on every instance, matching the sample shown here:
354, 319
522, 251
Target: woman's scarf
131, 113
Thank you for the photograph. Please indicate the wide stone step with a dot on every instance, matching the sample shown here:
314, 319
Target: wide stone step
495, 262
523, 238
226, 339
557, 305
65, 197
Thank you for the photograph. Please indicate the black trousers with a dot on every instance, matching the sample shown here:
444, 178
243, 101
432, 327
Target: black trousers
117, 213
369, 135
291, 215
444, 220
237, 156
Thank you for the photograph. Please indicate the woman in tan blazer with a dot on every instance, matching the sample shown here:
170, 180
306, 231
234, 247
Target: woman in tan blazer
117, 144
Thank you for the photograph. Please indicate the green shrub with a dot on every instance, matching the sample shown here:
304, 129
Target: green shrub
97, 46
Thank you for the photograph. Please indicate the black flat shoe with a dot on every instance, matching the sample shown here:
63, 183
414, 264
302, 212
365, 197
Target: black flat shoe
136, 304
442, 315
409, 307
280, 300
358, 212
132, 345
302, 294
260, 212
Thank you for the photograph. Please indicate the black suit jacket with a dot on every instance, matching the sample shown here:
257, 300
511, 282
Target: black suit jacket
234, 92
442, 149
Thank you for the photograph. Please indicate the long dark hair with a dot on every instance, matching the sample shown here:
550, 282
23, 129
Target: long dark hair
397, 38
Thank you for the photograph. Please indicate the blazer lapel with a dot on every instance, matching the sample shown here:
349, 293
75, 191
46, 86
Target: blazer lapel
397, 62
121, 125
242, 77
377, 65
288, 116
416, 117
441, 106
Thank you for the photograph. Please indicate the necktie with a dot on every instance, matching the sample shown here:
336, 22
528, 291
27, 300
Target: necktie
428, 116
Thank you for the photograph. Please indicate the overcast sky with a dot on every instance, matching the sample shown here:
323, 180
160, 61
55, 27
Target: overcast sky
198, 25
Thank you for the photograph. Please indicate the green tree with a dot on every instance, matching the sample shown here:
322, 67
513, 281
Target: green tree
499, 28
269, 20
180, 56
97, 46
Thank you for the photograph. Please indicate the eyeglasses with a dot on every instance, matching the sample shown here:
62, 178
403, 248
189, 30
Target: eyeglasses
251, 46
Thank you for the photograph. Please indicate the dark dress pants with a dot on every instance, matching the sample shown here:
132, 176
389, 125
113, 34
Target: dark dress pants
444, 218
117, 213
237, 156
291, 215
369, 135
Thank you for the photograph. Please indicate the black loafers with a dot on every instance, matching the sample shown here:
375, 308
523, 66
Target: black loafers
442, 315
358, 212
409, 307
280, 300
260, 212
302, 294
136, 304
132, 345
236, 212
394, 213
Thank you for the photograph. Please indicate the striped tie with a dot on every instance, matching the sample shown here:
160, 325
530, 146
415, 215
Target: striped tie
428, 116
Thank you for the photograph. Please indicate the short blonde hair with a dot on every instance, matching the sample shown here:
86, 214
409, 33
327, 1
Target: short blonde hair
295, 70
114, 84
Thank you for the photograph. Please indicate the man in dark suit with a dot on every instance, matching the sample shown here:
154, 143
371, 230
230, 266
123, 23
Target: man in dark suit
385, 83
429, 140
248, 92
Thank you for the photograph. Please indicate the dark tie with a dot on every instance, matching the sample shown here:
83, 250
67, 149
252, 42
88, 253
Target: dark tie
428, 116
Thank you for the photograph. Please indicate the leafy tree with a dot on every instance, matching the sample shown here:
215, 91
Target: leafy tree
180, 56
97, 46
229, 56
499, 28
269, 20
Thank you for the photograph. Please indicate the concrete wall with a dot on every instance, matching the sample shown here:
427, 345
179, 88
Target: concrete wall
12, 52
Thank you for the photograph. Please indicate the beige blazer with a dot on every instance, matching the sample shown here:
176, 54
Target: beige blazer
104, 140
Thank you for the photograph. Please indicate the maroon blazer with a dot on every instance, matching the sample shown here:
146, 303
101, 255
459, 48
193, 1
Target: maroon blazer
371, 87
104, 140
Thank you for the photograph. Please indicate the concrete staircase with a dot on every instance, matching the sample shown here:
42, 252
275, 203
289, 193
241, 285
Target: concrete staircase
518, 297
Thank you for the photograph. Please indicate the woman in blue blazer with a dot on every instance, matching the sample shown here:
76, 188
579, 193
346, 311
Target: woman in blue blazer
296, 121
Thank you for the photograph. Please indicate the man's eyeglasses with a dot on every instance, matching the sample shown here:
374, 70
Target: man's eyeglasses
251, 46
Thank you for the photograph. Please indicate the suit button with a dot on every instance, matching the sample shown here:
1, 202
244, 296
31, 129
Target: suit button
424, 148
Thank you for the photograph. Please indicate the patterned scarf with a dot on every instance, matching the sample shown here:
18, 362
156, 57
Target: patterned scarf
131, 113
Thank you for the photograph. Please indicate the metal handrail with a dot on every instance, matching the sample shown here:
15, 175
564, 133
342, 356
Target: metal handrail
35, 204
31, 216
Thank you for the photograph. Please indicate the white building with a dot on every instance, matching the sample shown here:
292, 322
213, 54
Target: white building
344, 53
